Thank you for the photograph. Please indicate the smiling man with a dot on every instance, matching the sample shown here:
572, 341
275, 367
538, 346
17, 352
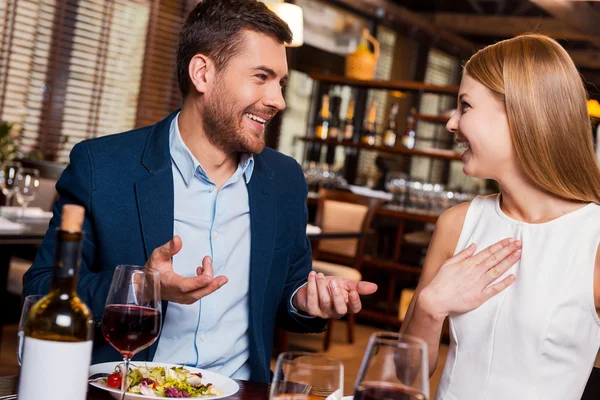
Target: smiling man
199, 198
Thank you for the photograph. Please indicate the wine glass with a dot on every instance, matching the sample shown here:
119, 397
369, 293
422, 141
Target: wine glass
131, 320
27, 186
28, 302
307, 376
8, 179
394, 366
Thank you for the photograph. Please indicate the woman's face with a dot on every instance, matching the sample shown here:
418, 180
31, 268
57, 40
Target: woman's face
481, 126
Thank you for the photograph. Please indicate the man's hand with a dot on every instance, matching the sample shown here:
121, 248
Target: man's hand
177, 288
330, 296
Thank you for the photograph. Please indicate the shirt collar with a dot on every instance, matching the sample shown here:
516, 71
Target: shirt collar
187, 164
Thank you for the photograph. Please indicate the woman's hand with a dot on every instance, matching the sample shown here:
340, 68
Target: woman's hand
463, 282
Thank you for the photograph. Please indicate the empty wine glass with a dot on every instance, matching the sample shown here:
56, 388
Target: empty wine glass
28, 302
8, 179
395, 366
27, 186
131, 320
307, 376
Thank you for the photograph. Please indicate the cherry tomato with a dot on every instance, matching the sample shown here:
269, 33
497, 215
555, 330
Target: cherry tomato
114, 380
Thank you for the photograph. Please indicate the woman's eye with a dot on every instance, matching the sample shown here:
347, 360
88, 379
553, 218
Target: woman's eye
464, 105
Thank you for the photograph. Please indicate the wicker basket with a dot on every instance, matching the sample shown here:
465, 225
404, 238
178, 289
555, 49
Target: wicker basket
361, 64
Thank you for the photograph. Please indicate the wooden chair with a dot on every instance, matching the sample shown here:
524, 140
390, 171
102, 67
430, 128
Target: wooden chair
340, 211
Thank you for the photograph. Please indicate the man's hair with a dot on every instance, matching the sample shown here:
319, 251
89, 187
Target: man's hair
215, 28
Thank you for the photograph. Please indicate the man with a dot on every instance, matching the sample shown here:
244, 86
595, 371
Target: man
200, 187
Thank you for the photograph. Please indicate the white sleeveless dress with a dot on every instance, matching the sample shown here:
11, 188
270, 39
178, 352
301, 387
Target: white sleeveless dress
538, 338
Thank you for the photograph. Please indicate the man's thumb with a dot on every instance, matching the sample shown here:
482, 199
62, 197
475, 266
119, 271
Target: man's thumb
172, 247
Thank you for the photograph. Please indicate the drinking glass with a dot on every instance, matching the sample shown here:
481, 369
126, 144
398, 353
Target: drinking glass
307, 376
28, 302
131, 320
8, 179
27, 186
395, 366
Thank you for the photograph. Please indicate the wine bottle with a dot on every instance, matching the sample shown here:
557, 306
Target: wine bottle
349, 123
334, 128
58, 330
389, 136
369, 127
322, 124
409, 137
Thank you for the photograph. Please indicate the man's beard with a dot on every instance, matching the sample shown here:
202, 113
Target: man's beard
223, 128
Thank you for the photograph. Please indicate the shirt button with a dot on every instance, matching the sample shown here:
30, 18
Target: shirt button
210, 189
202, 338
215, 235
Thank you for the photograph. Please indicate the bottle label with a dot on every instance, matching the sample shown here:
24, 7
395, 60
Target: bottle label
54, 370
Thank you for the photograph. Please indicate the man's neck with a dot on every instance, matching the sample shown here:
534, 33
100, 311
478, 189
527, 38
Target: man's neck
218, 165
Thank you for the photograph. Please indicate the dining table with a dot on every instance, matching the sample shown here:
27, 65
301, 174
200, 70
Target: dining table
248, 390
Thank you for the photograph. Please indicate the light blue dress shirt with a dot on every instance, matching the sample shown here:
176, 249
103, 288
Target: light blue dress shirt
213, 332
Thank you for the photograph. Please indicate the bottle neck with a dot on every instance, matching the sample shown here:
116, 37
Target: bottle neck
67, 258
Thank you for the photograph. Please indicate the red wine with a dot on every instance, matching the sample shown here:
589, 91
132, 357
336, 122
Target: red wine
130, 328
386, 391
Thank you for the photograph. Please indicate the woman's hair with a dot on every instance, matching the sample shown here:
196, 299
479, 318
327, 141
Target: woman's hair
546, 105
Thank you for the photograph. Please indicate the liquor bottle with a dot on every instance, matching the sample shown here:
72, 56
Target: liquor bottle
389, 136
58, 330
334, 128
369, 127
409, 137
322, 124
349, 123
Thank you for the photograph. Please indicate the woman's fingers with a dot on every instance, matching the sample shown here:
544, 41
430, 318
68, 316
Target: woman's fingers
496, 288
497, 257
462, 255
495, 271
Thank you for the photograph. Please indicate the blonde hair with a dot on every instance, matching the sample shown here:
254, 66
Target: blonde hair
546, 105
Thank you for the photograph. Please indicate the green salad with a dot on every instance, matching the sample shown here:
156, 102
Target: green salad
174, 382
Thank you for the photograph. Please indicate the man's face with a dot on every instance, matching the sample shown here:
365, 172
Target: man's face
245, 95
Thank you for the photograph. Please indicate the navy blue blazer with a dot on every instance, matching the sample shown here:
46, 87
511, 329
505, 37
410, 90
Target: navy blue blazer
125, 183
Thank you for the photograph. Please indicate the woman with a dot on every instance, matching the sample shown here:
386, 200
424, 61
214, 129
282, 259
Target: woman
518, 273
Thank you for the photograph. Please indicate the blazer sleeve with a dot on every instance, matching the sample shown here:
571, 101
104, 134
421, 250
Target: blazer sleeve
75, 186
299, 268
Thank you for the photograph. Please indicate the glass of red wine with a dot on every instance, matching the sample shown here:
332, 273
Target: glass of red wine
395, 367
131, 320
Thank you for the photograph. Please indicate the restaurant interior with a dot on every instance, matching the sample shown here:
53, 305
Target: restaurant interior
372, 84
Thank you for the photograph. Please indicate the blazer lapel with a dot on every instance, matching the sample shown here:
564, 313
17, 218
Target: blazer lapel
261, 194
154, 192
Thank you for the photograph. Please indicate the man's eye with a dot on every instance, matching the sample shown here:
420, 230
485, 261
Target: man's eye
262, 77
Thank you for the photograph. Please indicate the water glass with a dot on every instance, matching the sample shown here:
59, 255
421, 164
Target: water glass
8, 179
28, 302
307, 376
27, 186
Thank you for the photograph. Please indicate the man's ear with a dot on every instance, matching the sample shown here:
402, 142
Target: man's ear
201, 70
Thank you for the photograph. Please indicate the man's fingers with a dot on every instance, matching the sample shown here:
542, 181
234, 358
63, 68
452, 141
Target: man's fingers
207, 266
338, 298
212, 287
199, 271
354, 305
362, 287
169, 249
190, 284
324, 297
312, 298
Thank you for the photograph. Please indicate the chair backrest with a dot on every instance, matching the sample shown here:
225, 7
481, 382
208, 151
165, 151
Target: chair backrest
340, 211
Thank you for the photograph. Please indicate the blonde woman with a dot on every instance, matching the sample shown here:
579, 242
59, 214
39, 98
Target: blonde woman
518, 274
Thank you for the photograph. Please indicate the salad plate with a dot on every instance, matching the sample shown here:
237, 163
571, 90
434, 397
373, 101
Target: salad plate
158, 380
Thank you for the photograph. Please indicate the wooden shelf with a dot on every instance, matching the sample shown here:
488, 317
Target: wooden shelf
433, 153
439, 119
386, 85
390, 266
